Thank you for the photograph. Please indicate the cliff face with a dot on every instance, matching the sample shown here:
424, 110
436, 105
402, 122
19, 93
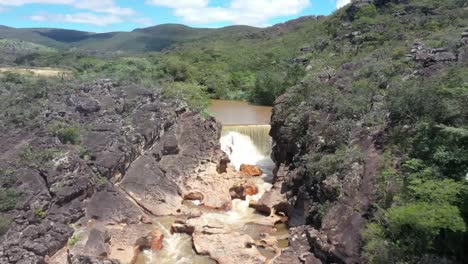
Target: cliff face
332, 210
131, 155
330, 131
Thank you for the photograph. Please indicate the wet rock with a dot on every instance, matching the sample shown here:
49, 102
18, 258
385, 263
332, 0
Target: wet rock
251, 170
215, 188
272, 201
223, 163
250, 189
230, 248
237, 192
194, 196
91, 260
182, 227
156, 240
299, 250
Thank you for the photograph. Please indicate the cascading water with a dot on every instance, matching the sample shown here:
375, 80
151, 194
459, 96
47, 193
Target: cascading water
245, 144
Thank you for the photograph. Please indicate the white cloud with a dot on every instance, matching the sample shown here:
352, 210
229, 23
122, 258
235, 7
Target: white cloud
101, 12
81, 18
246, 12
341, 3
180, 3
102, 6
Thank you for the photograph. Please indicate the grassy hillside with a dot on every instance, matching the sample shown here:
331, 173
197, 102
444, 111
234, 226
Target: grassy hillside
140, 40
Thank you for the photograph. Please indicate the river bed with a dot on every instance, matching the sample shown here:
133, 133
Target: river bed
245, 138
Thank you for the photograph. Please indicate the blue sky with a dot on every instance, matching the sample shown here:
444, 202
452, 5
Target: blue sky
126, 15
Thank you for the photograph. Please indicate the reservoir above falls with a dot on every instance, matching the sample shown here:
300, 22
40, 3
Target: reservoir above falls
236, 113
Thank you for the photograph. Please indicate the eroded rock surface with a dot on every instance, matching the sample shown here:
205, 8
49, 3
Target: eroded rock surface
137, 152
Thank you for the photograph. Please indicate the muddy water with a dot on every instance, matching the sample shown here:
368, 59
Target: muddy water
230, 113
245, 138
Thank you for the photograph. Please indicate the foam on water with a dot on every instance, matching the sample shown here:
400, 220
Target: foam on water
242, 149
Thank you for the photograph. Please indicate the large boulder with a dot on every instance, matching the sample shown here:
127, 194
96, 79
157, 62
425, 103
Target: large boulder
229, 248
251, 170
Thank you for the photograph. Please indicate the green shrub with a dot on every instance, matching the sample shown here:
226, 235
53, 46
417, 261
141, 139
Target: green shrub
195, 95
8, 199
41, 214
74, 240
369, 10
66, 133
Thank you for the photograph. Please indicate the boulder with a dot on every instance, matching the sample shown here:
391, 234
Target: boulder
84, 104
228, 248
250, 189
157, 239
237, 192
251, 170
194, 196
272, 201
223, 163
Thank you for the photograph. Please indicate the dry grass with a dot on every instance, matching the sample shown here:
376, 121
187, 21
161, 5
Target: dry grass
45, 72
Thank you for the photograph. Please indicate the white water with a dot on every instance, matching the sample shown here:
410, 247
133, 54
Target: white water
241, 150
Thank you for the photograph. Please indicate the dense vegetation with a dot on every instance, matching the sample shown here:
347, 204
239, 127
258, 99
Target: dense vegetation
421, 213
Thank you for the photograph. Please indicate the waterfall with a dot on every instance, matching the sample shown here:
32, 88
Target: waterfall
258, 134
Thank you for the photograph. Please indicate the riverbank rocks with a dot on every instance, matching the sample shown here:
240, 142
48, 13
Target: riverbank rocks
230, 248
251, 170
241, 191
136, 156
272, 201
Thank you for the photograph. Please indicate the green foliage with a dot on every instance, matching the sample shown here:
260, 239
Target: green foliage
74, 240
178, 69
195, 95
8, 199
416, 225
377, 248
41, 214
367, 11
66, 133
38, 158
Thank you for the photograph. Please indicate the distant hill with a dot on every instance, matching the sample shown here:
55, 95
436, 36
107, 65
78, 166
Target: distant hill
154, 38
10, 49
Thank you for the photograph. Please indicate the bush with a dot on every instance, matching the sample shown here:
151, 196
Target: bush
195, 95
8, 199
67, 134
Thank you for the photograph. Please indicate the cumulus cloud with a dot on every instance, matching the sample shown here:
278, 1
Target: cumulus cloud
100, 12
81, 18
103, 6
341, 3
248, 12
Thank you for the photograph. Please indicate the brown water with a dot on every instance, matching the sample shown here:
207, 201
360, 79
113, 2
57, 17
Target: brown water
230, 112
245, 138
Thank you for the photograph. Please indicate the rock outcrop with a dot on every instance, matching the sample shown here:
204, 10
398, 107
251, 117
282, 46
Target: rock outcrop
137, 153
329, 211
